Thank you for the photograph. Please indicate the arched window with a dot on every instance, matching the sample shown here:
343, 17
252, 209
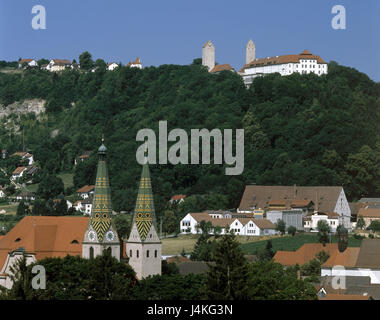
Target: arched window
130, 253
91, 253
155, 253
147, 253
137, 253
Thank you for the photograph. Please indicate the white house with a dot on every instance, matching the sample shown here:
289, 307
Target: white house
30, 62
112, 66
56, 65
303, 63
78, 206
135, 64
86, 191
178, 198
87, 206
311, 222
240, 226
25, 156
2, 193
18, 173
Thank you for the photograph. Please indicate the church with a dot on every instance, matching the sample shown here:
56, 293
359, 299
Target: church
39, 237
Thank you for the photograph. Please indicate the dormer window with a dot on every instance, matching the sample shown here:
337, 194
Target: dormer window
18, 240
74, 242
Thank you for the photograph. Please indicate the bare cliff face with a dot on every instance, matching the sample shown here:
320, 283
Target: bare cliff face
36, 106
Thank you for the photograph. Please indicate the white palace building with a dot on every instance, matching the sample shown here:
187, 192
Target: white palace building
303, 63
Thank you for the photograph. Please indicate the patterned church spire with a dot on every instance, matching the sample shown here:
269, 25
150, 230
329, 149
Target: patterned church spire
144, 216
101, 205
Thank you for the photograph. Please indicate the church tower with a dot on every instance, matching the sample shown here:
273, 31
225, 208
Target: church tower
250, 52
144, 246
208, 55
101, 233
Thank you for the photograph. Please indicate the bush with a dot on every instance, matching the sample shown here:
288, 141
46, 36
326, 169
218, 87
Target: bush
371, 236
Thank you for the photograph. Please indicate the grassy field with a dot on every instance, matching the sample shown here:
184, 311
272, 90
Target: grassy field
67, 179
289, 243
9, 208
249, 245
172, 246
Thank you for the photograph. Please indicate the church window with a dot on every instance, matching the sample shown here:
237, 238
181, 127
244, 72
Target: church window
137, 253
147, 253
91, 253
155, 253
130, 253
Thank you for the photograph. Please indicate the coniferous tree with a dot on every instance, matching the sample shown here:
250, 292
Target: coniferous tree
227, 279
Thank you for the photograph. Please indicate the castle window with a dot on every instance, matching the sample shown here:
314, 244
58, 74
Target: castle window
155, 253
147, 253
137, 253
91, 253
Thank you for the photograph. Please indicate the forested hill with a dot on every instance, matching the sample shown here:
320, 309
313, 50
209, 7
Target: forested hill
299, 129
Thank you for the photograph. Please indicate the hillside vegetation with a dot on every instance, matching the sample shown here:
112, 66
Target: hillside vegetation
299, 129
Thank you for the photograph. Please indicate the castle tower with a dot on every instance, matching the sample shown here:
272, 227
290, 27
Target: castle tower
101, 233
144, 246
208, 55
250, 52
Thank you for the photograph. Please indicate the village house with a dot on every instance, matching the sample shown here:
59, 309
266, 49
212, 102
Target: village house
2, 192
112, 66
311, 221
87, 206
86, 191
83, 157
18, 173
29, 62
135, 64
177, 199
25, 196
24, 156
56, 65
308, 200
369, 213
240, 226
77, 205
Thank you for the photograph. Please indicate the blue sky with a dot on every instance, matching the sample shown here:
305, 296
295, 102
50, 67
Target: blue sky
174, 31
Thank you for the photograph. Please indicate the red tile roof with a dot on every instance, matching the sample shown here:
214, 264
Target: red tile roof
45, 236
178, 197
304, 254
86, 189
291, 58
369, 213
18, 170
221, 67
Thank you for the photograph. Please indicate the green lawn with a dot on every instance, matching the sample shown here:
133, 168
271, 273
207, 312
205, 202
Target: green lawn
289, 243
9, 208
67, 179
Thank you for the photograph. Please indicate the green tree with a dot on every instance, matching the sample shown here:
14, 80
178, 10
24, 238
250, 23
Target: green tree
292, 230
85, 61
227, 279
280, 226
50, 187
270, 281
267, 253
374, 226
123, 225
323, 231
22, 209
169, 221
360, 223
